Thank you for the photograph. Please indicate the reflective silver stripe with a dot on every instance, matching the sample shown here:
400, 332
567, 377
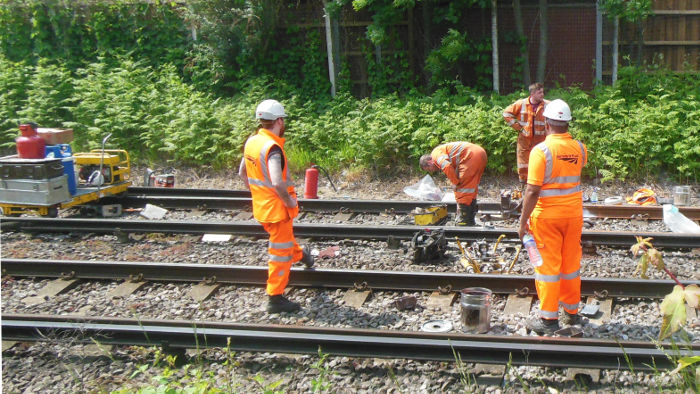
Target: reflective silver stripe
566, 179
583, 153
547, 278
569, 306
548, 314
541, 132
539, 123
524, 123
560, 192
263, 161
465, 190
280, 259
510, 121
280, 245
257, 182
571, 275
549, 163
523, 165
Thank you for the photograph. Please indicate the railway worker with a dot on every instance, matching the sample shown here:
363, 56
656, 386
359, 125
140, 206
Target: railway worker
525, 116
264, 170
463, 163
553, 205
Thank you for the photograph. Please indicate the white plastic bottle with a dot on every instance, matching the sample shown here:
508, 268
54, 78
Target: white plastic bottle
594, 195
677, 222
532, 252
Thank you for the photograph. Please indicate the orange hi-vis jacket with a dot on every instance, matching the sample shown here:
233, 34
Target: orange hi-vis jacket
463, 163
556, 222
556, 165
522, 116
268, 207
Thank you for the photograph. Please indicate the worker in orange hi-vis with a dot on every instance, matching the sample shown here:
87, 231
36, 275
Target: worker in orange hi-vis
264, 169
525, 116
463, 163
553, 212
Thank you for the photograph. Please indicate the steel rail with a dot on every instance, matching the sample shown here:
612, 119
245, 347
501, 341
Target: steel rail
322, 278
350, 342
306, 230
240, 199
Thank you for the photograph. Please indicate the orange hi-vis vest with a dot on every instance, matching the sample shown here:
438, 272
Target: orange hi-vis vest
521, 115
268, 207
556, 165
450, 156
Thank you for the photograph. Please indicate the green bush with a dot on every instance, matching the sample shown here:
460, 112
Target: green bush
649, 131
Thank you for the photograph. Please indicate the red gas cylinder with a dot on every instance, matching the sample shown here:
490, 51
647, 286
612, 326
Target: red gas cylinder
29, 144
311, 183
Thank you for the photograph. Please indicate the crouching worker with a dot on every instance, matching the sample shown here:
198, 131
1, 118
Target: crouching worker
463, 163
264, 169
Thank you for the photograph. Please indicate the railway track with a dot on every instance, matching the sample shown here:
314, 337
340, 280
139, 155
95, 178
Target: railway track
324, 231
322, 278
240, 199
489, 349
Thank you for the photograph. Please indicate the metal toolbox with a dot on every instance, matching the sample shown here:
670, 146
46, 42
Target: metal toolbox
35, 192
12, 167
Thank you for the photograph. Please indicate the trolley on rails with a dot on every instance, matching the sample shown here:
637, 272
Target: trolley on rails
62, 180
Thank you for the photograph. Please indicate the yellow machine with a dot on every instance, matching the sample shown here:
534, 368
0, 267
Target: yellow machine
100, 173
430, 216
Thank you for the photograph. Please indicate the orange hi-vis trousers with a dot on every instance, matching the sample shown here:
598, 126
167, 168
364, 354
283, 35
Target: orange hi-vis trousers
283, 250
558, 279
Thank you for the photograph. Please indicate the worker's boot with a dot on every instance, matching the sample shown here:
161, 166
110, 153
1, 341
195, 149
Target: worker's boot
542, 326
569, 319
307, 258
278, 303
466, 214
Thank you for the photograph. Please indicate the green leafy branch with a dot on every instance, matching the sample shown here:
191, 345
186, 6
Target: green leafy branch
673, 305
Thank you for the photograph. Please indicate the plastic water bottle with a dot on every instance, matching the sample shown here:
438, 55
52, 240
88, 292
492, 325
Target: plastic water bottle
532, 252
677, 222
594, 195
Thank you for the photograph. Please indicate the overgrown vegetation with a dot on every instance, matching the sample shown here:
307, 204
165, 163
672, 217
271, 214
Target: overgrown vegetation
179, 81
645, 125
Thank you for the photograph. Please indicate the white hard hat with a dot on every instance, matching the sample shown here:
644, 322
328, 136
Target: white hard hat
557, 110
270, 110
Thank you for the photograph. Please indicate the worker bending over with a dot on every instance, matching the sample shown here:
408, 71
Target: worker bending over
463, 163
525, 116
264, 169
553, 205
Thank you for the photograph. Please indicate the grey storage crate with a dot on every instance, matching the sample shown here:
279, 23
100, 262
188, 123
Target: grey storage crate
35, 192
12, 167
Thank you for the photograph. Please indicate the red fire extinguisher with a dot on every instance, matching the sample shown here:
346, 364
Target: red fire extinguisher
311, 183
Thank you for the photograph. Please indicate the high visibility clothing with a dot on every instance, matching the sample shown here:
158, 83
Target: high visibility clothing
642, 196
557, 220
267, 205
283, 251
463, 163
269, 209
529, 121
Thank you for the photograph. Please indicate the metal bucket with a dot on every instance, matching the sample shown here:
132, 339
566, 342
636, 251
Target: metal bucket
475, 303
681, 195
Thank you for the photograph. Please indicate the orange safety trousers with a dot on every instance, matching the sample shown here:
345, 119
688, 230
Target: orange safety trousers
283, 250
470, 178
558, 279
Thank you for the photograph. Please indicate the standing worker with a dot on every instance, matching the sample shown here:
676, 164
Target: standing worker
463, 163
554, 207
525, 116
264, 169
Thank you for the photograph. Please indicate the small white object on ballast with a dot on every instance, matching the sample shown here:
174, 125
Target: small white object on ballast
153, 212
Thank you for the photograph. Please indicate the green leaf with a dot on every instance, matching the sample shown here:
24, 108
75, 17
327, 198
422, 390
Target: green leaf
692, 295
673, 309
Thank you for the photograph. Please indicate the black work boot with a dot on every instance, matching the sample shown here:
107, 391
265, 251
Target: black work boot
569, 319
466, 214
307, 258
542, 326
278, 304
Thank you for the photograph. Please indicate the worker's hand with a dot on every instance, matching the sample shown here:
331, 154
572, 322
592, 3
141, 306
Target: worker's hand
524, 228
